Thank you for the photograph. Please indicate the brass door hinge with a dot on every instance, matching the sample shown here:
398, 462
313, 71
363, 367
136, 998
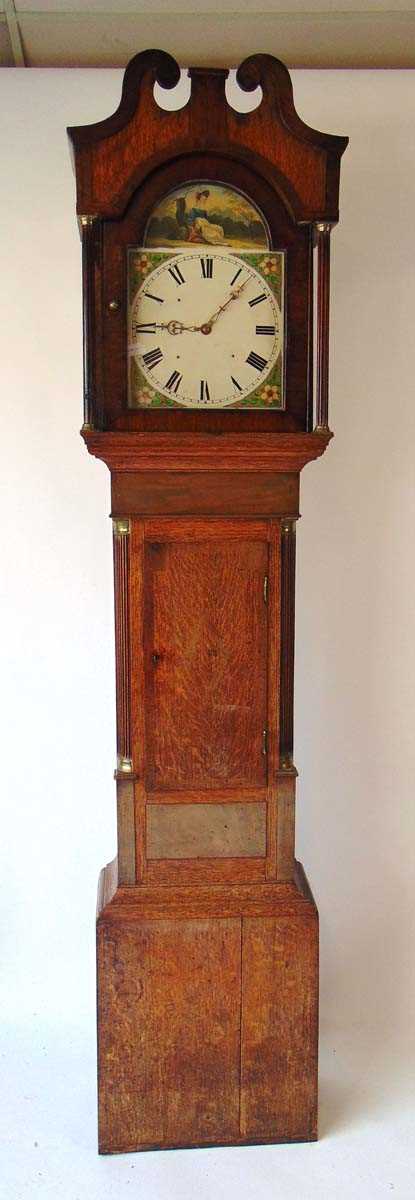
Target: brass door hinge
265, 741
265, 589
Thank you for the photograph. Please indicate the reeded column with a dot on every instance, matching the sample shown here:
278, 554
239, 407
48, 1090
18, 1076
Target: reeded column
89, 235
323, 230
124, 772
121, 534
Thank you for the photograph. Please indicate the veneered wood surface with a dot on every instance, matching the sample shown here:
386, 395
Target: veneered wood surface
126, 831
279, 1027
132, 451
202, 492
206, 662
206, 796
205, 870
194, 529
169, 1038
113, 156
191, 623
286, 781
151, 901
108, 888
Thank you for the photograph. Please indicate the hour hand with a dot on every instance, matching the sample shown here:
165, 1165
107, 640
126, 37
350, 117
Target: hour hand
173, 327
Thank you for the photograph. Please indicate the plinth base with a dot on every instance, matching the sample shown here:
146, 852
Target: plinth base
207, 1014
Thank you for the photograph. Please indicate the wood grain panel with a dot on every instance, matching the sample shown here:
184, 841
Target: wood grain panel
114, 155
286, 824
185, 492
126, 831
190, 529
130, 450
140, 807
196, 898
204, 796
279, 1026
206, 831
205, 653
307, 165
169, 1033
207, 870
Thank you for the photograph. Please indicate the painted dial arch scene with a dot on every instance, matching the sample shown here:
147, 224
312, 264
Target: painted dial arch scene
206, 305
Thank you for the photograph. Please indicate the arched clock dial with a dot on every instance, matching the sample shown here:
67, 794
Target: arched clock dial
206, 329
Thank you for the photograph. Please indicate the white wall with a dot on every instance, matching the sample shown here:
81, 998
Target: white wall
356, 570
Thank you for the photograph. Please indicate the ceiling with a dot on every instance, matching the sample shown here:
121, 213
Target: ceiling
304, 33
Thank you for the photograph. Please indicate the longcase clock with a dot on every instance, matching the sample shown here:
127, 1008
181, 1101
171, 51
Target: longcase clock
200, 231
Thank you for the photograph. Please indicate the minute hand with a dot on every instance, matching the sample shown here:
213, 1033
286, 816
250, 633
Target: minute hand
233, 296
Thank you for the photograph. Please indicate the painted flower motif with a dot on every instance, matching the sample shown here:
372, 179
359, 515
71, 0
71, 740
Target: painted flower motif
269, 394
142, 263
270, 266
145, 397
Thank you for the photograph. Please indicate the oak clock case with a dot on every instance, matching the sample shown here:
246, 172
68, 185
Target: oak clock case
200, 243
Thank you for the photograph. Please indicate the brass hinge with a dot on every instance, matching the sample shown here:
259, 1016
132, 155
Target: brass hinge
265, 589
265, 741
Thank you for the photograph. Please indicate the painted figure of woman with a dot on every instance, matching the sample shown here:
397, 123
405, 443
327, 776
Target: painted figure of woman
194, 223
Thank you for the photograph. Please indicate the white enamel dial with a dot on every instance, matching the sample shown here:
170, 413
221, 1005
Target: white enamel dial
205, 328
